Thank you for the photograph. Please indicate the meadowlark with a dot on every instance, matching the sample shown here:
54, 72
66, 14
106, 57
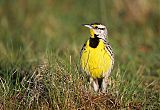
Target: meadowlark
96, 57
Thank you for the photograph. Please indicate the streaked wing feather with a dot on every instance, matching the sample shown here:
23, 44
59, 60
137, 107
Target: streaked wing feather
110, 51
83, 48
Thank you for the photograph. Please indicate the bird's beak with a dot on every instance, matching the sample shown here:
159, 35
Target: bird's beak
87, 25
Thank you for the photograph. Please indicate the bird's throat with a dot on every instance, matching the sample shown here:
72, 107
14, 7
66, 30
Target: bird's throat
92, 33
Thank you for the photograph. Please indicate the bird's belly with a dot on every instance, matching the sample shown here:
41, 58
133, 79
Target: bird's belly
96, 62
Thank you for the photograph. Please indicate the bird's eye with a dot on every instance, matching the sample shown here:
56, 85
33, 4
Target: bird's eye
102, 28
95, 27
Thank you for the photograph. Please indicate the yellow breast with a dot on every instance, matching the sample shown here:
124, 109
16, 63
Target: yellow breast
96, 61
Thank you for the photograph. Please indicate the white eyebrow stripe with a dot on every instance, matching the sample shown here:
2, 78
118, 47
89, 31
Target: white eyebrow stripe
101, 26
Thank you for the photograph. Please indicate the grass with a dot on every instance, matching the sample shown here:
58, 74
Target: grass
39, 54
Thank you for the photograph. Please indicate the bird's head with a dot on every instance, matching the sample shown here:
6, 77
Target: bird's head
97, 30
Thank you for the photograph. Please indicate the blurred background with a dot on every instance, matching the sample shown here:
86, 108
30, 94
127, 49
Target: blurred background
35, 32
30, 28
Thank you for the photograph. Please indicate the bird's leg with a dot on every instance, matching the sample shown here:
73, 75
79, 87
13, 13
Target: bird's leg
104, 84
90, 83
95, 85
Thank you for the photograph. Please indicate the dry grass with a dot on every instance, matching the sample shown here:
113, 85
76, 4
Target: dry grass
51, 85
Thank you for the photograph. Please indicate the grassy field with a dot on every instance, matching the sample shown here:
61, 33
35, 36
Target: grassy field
40, 43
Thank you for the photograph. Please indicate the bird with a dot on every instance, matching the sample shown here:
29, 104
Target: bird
97, 57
